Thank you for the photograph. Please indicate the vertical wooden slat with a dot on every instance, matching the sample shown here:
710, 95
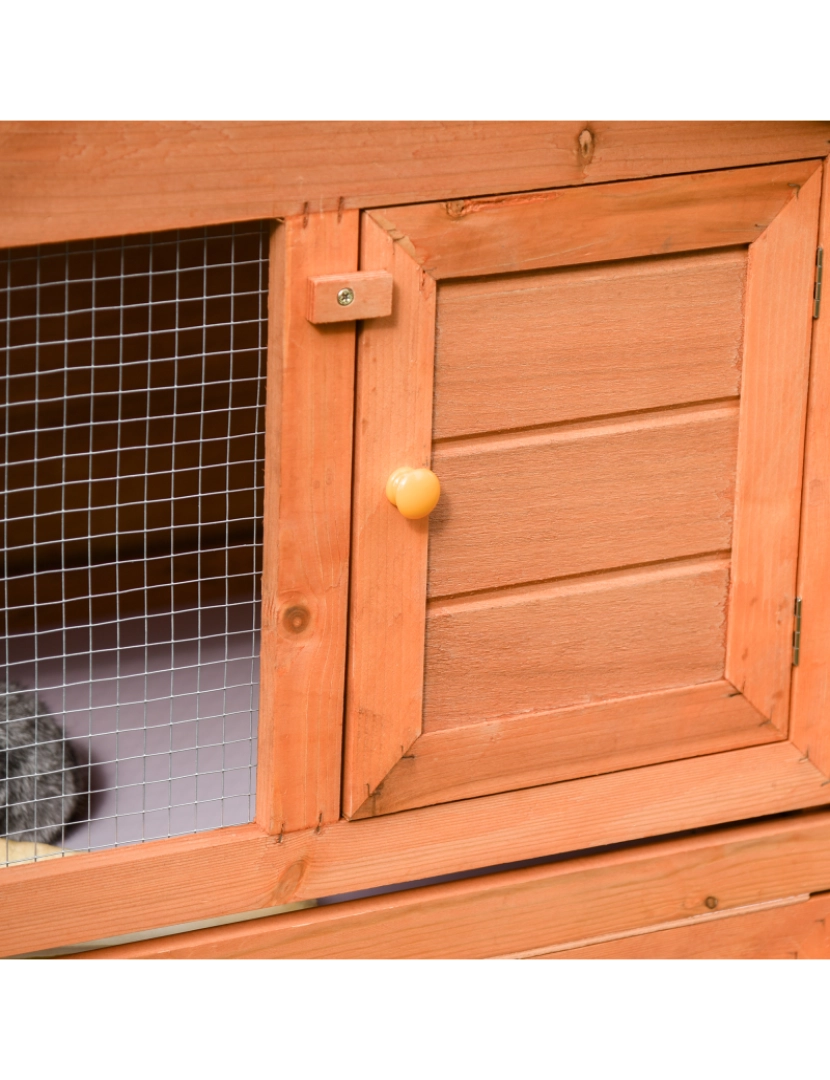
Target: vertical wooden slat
810, 730
770, 442
393, 427
306, 529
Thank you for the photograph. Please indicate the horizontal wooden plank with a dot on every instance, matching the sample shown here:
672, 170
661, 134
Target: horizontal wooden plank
582, 498
532, 349
548, 904
240, 869
543, 647
67, 180
544, 748
792, 930
513, 233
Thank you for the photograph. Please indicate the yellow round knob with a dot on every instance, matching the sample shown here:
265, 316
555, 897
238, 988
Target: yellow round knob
415, 492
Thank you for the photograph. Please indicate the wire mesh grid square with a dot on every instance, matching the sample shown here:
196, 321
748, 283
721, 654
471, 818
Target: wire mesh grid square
133, 410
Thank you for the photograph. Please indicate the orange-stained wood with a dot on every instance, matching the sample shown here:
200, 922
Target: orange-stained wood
389, 568
809, 728
62, 181
371, 293
239, 869
543, 647
530, 349
770, 447
532, 910
508, 234
308, 458
584, 497
543, 748
795, 929
525, 649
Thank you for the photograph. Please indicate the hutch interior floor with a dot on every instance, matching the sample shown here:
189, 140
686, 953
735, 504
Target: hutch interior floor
163, 712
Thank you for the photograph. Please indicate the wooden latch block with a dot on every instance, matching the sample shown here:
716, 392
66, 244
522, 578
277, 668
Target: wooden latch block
365, 294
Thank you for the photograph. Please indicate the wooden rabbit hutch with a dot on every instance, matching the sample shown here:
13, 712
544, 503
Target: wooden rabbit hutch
604, 654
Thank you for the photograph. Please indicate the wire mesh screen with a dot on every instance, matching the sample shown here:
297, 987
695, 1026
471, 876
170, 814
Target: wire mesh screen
133, 408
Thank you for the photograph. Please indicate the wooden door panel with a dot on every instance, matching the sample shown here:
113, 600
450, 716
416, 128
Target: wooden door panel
596, 429
554, 646
582, 498
609, 338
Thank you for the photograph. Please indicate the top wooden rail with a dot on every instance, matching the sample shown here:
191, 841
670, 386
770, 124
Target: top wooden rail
75, 180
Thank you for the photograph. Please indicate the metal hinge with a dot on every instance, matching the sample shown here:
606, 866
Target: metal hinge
797, 632
817, 286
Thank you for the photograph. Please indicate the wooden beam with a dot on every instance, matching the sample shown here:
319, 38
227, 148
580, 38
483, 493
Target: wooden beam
523, 911
811, 686
307, 518
71, 180
233, 870
776, 369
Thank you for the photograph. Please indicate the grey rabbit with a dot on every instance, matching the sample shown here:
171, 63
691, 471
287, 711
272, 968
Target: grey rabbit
40, 781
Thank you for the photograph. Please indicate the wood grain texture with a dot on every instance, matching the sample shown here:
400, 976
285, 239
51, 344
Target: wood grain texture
63, 180
508, 234
525, 911
544, 748
210, 875
533, 349
372, 296
582, 498
792, 930
392, 428
809, 728
536, 648
770, 449
306, 527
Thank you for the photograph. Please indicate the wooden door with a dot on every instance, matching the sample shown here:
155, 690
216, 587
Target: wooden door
611, 384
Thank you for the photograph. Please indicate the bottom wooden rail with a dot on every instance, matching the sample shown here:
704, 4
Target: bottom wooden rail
740, 891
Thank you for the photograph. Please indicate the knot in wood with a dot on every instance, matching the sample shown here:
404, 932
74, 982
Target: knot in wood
586, 145
296, 618
455, 209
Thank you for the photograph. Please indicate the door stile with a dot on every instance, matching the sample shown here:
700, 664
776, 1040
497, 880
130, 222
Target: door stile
393, 427
307, 521
778, 327
810, 730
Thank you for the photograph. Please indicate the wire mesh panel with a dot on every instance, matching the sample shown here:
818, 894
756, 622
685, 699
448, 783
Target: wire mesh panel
133, 407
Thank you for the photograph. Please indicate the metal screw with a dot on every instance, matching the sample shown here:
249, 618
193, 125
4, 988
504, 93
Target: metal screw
345, 297
711, 902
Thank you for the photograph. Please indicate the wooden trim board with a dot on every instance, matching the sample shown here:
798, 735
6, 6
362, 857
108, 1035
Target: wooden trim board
778, 327
77, 180
571, 226
306, 527
209, 875
539, 909
811, 686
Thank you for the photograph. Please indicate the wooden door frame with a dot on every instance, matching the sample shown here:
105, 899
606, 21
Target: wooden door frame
72, 181
391, 763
